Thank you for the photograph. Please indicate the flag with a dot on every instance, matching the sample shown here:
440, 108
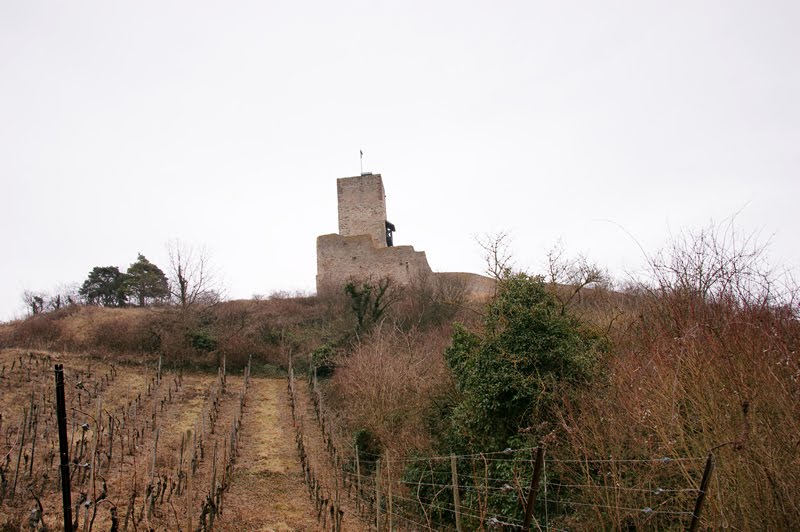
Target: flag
361, 152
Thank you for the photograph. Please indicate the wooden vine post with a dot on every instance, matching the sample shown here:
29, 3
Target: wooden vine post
389, 490
95, 438
378, 495
456, 493
189, 471
358, 481
22, 428
537, 472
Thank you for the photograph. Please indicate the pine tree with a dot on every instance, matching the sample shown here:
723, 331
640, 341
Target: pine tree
105, 286
145, 282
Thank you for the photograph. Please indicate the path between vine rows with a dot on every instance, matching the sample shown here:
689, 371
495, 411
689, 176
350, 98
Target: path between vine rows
267, 491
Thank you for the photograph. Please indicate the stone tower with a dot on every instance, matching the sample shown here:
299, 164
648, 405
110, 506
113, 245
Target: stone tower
362, 207
363, 249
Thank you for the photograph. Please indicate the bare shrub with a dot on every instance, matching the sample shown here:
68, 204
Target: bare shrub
387, 386
40, 331
126, 331
708, 361
431, 300
193, 280
571, 277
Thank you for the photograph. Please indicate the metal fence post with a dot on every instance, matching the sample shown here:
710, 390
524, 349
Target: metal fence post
63, 446
701, 497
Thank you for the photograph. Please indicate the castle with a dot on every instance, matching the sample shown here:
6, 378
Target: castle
364, 249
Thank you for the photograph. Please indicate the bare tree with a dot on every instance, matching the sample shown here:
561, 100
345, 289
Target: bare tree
570, 275
717, 263
63, 295
497, 254
192, 278
34, 301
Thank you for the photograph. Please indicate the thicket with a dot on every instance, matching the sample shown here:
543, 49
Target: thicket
629, 390
511, 375
704, 359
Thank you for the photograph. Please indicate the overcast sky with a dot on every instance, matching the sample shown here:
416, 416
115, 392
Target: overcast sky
126, 124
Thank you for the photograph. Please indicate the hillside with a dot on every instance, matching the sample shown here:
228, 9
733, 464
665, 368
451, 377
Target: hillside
630, 394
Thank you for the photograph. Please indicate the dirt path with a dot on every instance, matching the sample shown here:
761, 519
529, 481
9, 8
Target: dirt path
267, 490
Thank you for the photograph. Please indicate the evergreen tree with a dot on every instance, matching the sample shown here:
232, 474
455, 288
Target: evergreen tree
145, 282
104, 286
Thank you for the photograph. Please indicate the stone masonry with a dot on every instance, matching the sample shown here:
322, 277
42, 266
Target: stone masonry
362, 207
360, 251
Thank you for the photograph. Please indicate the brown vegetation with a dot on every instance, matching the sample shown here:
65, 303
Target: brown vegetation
703, 358
700, 358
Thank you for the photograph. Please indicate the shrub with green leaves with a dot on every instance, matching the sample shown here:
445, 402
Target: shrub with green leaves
202, 340
510, 378
512, 375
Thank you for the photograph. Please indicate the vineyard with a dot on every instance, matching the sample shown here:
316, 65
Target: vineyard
148, 448
156, 450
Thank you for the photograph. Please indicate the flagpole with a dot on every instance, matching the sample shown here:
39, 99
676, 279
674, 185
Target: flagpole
361, 161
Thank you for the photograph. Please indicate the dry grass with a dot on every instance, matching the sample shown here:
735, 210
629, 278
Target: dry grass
267, 489
269, 330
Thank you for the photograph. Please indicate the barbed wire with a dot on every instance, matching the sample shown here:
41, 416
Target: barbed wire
662, 460
440, 504
646, 510
438, 486
511, 452
656, 491
507, 451
409, 520
447, 507
507, 487
443, 505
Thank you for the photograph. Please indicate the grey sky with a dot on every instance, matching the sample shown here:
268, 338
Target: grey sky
126, 124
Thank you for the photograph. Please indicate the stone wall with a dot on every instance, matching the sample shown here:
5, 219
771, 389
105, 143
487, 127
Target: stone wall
476, 286
344, 258
362, 207
359, 252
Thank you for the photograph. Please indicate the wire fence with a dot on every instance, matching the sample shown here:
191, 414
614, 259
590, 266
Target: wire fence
510, 489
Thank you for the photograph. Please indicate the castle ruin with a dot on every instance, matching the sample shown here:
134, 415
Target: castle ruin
364, 249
